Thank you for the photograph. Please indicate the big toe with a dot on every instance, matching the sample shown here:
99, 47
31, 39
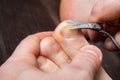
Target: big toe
70, 40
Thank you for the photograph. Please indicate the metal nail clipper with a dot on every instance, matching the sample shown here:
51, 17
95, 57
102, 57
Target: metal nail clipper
95, 27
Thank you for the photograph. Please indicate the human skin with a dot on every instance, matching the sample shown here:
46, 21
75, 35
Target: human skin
70, 46
98, 11
30, 62
29, 55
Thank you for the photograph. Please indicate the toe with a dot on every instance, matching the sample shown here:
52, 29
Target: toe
70, 40
46, 65
51, 49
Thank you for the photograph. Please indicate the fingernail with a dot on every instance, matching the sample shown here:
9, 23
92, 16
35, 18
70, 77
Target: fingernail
90, 49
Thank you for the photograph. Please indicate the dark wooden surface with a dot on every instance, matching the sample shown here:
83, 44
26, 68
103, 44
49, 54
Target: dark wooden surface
19, 18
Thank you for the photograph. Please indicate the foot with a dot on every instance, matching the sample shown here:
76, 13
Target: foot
62, 47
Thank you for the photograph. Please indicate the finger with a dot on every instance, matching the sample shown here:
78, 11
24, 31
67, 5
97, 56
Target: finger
46, 65
109, 44
51, 49
94, 35
30, 45
105, 10
86, 62
76, 9
70, 40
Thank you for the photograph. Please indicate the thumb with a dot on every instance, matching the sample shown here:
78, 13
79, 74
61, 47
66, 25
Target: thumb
86, 62
105, 10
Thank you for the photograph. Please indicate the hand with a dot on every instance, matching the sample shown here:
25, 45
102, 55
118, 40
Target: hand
29, 60
99, 11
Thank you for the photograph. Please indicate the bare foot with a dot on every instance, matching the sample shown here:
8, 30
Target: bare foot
61, 49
